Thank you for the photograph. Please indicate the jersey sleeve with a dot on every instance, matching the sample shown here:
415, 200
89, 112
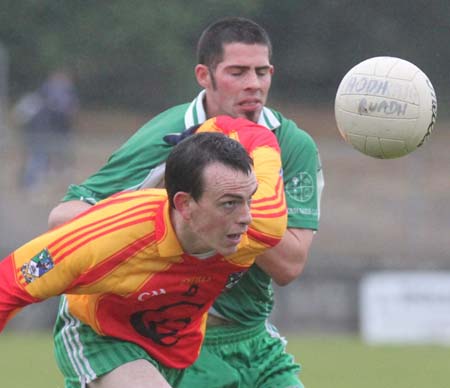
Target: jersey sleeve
302, 175
268, 206
135, 163
25, 276
73, 257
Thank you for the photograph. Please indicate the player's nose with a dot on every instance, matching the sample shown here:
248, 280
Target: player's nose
252, 80
245, 215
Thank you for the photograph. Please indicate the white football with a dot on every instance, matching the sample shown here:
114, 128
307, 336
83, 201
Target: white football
385, 107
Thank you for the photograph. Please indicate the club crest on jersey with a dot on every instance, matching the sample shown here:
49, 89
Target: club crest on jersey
233, 279
300, 187
37, 266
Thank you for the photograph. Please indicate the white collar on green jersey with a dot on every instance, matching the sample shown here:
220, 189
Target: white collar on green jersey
196, 114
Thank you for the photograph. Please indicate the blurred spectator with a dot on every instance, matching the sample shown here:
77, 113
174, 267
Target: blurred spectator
46, 117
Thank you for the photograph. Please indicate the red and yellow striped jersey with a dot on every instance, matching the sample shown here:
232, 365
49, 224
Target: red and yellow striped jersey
124, 271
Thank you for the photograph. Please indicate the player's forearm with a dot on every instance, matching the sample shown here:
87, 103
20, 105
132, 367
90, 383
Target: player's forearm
65, 211
286, 261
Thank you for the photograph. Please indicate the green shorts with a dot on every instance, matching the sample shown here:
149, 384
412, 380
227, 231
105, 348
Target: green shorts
82, 355
240, 357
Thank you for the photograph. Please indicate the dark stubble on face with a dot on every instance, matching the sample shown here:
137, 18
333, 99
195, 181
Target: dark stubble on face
250, 116
213, 78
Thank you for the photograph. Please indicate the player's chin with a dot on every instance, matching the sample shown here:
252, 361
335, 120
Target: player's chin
249, 114
228, 250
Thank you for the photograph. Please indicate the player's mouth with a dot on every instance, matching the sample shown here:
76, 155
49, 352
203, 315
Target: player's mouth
234, 238
250, 104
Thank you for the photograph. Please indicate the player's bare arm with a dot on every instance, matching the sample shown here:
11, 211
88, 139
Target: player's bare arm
286, 261
65, 211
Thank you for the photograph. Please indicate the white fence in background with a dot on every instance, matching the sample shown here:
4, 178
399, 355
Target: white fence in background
411, 307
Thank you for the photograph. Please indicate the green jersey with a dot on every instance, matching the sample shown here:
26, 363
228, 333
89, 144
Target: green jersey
139, 163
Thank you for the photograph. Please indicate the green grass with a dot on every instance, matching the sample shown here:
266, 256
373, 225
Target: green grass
26, 361
345, 362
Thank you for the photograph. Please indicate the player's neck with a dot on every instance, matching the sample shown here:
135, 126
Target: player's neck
186, 237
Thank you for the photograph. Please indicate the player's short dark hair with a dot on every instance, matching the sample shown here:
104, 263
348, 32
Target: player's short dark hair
229, 30
189, 158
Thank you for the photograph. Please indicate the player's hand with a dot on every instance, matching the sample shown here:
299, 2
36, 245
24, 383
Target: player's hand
174, 138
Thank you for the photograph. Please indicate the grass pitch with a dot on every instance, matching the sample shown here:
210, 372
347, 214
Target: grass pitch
27, 361
346, 362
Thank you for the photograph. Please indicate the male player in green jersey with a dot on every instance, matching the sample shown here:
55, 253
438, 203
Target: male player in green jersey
235, 72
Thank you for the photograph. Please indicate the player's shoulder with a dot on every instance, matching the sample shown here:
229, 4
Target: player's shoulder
174, 113
288, 133
150, 198
172, 119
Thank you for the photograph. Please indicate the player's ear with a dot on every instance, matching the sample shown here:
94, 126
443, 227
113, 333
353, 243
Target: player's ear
182, 202
203, 76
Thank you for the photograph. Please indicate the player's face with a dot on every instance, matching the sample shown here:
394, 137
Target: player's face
239, 85
221, 215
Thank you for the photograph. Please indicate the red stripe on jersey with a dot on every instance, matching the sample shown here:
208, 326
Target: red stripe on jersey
279, 187
106, 266
75, 235
279, 197
263, 238
101, 233
95, 208
122, 197
125, 196
269, 215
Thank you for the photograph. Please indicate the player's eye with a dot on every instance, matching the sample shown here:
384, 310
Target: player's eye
229, 204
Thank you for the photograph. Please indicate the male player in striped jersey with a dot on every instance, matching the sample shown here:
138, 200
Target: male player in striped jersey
141, 269
235, 71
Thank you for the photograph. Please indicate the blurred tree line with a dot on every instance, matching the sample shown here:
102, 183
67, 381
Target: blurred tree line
140, 54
